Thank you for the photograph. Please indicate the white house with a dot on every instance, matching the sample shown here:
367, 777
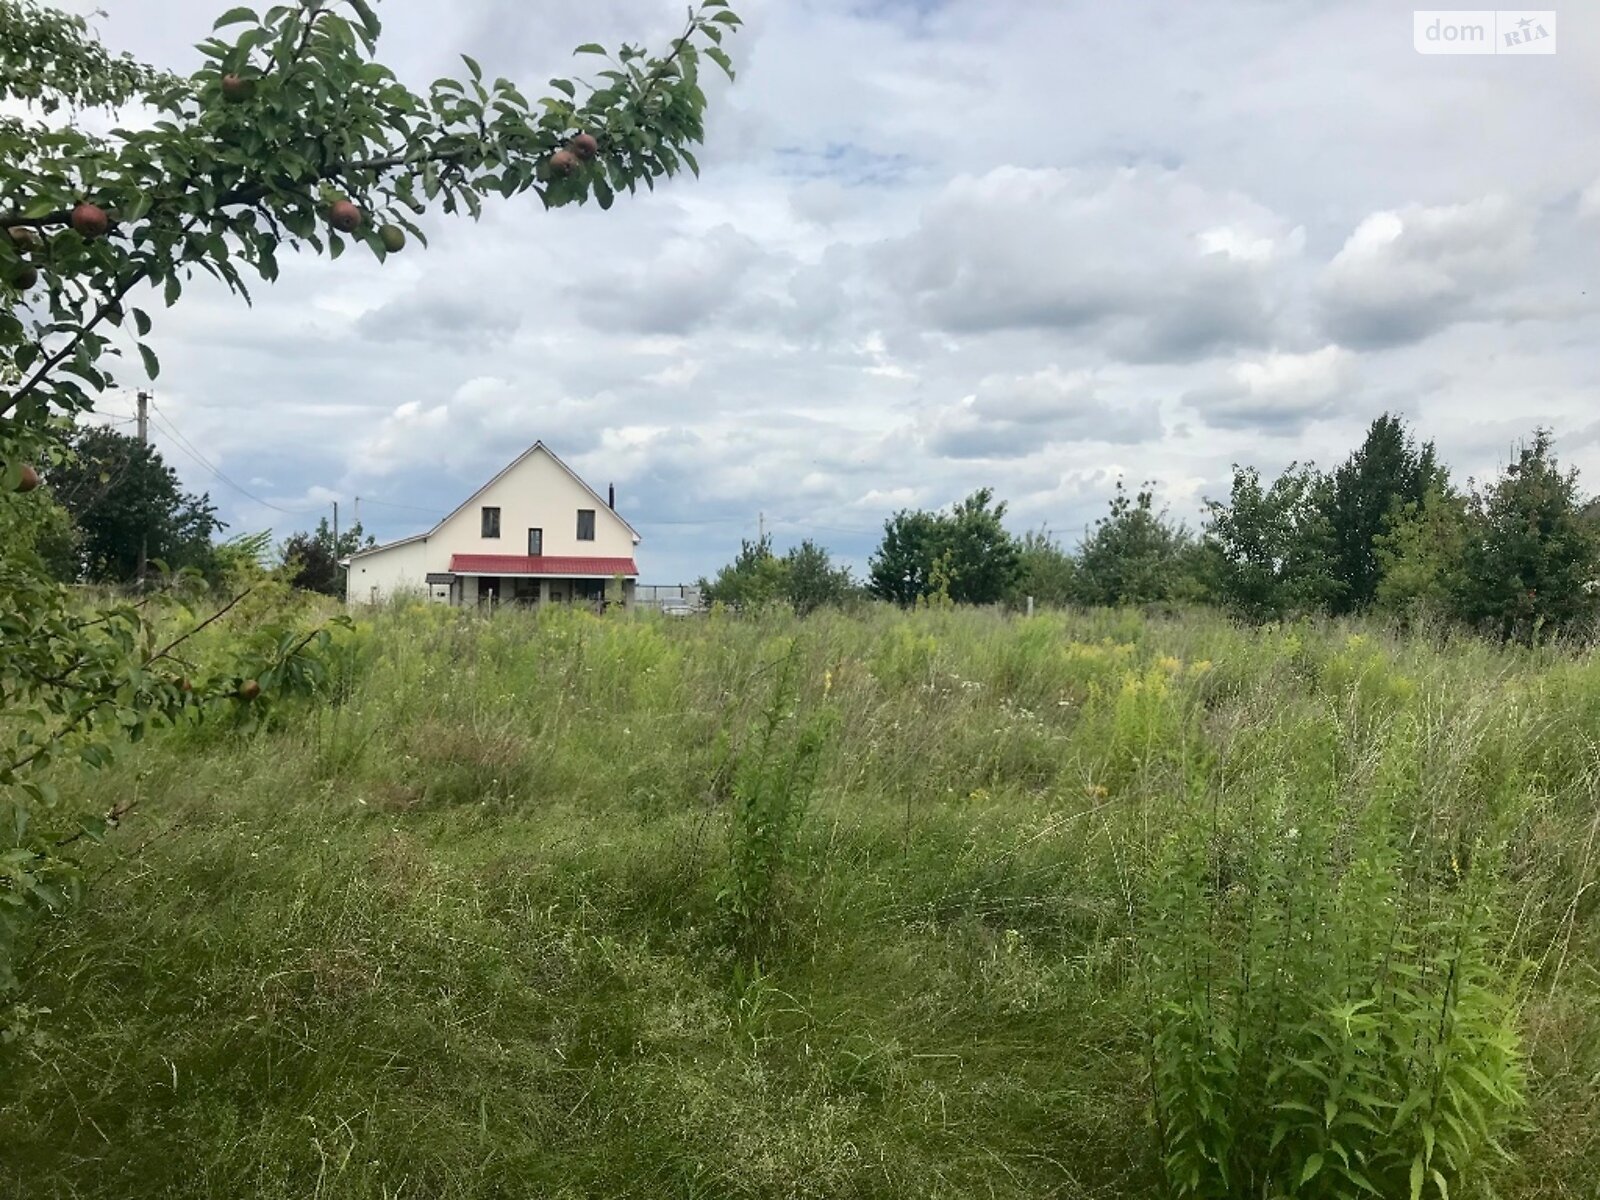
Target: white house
534, 534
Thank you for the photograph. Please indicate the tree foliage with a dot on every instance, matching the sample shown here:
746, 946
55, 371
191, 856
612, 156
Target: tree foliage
1269, 547
804, 578
1045, 571
223, 186
979, 558
1420, 556
1531, 558
1134, 555
965, 555
313, 558
130, 509
752, 580
811, 581
901, 569
36, 524
1384, 475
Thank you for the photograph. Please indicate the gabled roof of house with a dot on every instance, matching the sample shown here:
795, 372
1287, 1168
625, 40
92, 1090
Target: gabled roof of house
509, 467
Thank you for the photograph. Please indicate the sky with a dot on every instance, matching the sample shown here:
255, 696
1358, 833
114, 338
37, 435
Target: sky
1034, 245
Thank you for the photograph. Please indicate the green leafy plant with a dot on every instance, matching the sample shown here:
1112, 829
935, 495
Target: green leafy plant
1327, 1019
773, 780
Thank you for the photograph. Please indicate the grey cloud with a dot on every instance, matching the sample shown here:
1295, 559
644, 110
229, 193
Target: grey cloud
1406, 274
1145, 260
683, 287
450, 321
1227, 407
1011, 417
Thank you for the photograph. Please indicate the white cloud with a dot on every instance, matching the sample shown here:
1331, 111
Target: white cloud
1278, 392
1589, 202
404, 436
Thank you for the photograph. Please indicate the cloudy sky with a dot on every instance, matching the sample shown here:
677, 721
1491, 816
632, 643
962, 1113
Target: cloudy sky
937, 244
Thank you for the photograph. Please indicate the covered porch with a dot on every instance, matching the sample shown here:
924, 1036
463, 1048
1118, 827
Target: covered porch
491, 580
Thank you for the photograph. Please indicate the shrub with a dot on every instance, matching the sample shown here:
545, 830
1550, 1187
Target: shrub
772, 786
1327, 1018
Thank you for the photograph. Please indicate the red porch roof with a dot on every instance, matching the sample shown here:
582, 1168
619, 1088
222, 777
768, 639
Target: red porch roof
544, 564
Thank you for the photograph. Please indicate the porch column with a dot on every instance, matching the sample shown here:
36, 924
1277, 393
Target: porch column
544, 592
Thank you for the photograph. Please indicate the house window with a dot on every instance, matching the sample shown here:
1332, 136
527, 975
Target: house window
491, 522
586, 524
535, 543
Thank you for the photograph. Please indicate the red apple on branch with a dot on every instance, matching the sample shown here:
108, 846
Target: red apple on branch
344, 216
90, 220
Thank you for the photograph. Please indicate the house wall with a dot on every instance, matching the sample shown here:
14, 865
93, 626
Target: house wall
396, 569
537, 494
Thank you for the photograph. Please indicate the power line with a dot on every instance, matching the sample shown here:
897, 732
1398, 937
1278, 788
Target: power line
408, 507
189, 449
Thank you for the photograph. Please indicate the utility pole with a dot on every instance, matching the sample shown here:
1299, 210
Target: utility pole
761, 527
143, 400
357, 523
336, 529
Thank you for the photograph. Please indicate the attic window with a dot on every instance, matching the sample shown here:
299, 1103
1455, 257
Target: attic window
586, 524
491, 522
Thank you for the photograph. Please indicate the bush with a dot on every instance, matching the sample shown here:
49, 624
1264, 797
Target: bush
1327, 1016
772, 785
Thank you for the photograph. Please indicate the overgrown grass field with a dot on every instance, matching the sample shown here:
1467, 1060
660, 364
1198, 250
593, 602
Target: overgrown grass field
942, 904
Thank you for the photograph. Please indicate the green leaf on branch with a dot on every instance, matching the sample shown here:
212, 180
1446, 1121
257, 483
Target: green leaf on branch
152, 365
235, 15
592, 48
369, 19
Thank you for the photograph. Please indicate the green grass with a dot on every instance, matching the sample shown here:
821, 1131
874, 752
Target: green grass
456, 931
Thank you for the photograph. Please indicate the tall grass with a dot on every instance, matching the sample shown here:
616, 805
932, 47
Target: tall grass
1088, 905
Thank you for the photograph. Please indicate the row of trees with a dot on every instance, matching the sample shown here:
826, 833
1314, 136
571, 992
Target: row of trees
113, 512
805, 578
964, 555
1386, 531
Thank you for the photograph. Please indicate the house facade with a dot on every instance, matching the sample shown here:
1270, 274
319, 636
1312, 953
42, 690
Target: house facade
534, 534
